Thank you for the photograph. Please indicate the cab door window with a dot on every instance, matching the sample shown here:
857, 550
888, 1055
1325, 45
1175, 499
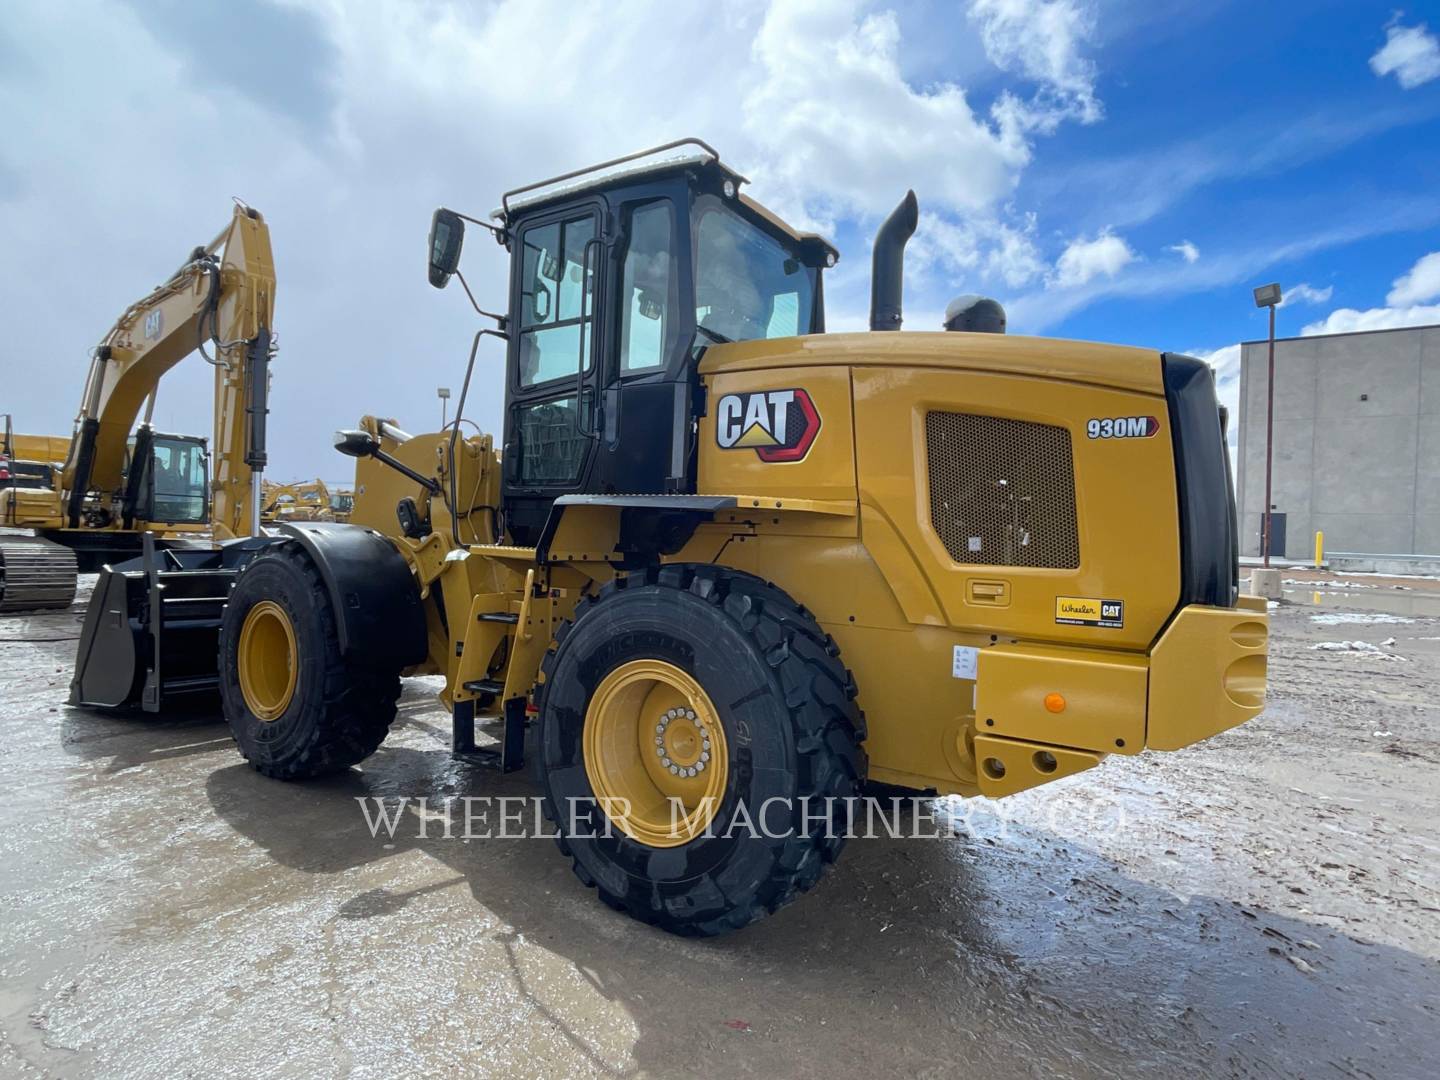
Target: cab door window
555, 303
179, 479
649, 300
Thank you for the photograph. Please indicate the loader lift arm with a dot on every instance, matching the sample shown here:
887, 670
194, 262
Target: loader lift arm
223, 295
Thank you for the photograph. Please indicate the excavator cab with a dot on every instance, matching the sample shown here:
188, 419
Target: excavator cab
173, 487
620, 277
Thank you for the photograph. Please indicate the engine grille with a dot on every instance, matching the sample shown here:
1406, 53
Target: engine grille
1002, 492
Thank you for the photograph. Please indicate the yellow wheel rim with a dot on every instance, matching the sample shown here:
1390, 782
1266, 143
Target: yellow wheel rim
268, 660
655, 753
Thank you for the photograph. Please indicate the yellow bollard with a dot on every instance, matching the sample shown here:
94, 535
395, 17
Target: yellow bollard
1319, 548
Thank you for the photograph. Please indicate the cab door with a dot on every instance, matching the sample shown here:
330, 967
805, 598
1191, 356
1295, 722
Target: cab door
647, 411
599, 367
549, 423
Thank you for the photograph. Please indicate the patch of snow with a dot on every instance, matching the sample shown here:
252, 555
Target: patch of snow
1343, 618
1403, 577
1357, 647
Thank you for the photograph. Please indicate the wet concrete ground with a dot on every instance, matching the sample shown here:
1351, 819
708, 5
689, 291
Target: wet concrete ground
1266, 904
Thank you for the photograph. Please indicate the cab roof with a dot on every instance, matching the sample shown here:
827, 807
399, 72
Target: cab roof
669, 157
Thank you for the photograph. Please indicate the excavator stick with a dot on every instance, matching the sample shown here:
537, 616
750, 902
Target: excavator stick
151, 631
35, 574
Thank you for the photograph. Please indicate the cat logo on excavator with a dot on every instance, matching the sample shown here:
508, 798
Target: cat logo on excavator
779, 425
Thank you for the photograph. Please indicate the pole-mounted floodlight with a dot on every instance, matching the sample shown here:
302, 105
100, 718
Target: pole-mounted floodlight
443, 393
1268, 296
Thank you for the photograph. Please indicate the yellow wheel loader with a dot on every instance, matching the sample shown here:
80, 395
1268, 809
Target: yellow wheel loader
308, 500
728, 568
92, 500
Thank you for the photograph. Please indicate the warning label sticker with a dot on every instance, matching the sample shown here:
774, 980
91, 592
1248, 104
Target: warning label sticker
1089, 611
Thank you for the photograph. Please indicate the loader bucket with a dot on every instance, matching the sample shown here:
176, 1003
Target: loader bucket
151, 631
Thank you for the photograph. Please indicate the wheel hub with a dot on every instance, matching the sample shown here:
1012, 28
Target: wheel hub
682, 742
654, 752
268, 660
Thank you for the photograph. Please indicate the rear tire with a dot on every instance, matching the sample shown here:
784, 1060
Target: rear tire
791, 733
335, 714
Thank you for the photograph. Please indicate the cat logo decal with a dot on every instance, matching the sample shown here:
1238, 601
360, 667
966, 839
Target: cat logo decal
779, 425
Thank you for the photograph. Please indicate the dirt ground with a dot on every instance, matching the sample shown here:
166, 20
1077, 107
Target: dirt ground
1265, 904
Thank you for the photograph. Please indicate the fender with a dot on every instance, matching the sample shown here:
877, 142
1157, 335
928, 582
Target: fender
641, 527
377, 603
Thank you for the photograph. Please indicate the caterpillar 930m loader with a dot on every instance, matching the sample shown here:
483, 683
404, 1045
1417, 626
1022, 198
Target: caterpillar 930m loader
716, 533
94, 499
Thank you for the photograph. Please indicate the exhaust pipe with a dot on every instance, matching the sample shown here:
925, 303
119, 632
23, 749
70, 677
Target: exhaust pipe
887, 270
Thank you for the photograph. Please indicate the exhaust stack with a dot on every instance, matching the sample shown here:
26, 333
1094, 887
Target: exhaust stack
887, 271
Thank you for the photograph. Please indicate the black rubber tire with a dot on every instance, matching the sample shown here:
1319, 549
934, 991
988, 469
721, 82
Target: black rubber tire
340, 713
792, 727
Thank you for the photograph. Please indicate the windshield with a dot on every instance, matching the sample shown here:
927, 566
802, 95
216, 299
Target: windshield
747, 285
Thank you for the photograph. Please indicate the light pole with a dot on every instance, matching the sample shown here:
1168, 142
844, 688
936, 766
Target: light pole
443, 393
1268, 296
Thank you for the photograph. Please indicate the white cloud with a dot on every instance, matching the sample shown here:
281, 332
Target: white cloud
980, 246
1420, 283
1084, 260
1348, 320
1042, 39
836, 129
1186, 250
410, 106
1404, 306
1305, 293
1410, 53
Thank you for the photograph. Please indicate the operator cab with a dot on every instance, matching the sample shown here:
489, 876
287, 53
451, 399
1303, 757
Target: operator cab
620, 276
173, 487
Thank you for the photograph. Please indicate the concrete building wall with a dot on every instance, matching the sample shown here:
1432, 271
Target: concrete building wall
1356, 445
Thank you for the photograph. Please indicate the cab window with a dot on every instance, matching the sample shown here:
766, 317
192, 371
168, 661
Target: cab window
555, 304
179, 479
648, 288
552, 450
747, 285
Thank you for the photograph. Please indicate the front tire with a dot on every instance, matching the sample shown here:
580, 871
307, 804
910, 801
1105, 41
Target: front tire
732, 668
296, 708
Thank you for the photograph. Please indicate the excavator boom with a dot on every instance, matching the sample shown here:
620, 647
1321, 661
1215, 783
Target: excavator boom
93, 496
223, 295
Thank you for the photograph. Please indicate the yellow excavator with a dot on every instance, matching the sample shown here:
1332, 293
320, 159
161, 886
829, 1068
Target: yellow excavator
737, 568
94, 499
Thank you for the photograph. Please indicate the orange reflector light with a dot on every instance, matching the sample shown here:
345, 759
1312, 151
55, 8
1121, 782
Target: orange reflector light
1055, 702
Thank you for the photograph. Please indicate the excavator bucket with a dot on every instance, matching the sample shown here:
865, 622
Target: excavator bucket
151, 632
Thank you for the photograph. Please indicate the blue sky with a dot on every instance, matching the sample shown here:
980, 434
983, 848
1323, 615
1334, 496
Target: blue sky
1121, 171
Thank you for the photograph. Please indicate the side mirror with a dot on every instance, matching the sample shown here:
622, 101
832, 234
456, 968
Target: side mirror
356, 444
447, 234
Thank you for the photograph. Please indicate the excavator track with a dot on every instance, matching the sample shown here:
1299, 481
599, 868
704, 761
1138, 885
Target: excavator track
35, 574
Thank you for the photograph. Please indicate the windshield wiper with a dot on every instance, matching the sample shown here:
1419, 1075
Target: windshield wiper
719, 339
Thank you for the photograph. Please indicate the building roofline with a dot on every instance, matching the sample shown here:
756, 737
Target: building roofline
1344, 333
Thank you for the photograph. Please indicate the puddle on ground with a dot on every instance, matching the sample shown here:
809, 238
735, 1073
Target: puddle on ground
1382, 598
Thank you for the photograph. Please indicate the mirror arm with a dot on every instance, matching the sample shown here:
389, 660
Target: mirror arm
501, 236
500, 320
429, 483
